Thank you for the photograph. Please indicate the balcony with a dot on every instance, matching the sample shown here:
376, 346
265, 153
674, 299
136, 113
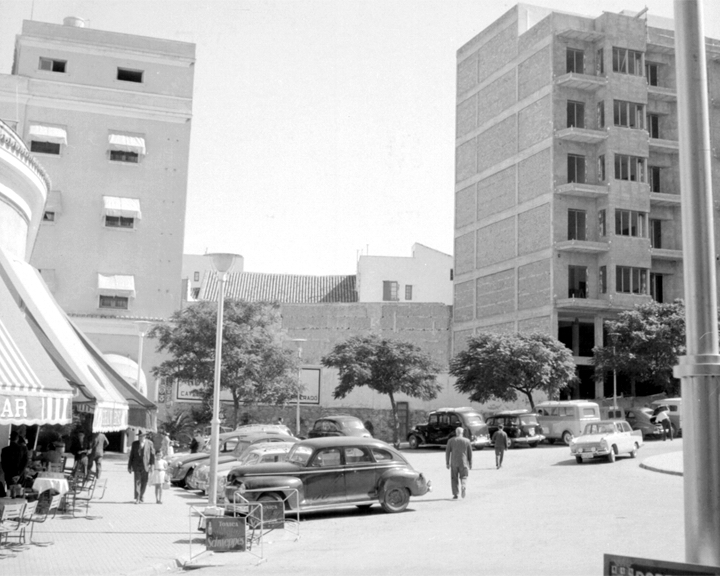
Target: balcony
582, 246
656, 48
582, 35
664, 146
582, 190
666, 254
663, 199
581, 304
586, 82
583, 135
662, 94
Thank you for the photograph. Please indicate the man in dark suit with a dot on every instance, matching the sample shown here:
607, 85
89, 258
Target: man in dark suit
14, 459
142, 458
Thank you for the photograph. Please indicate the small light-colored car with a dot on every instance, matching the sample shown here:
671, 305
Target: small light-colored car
606, 439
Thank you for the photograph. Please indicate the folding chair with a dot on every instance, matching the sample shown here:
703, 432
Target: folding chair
11, 519
25, 521
88, 494
42, 515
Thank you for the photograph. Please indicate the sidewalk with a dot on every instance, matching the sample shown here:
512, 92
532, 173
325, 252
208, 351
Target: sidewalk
671, 463
118, 537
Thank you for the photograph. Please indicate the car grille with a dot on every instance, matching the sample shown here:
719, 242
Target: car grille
589, 447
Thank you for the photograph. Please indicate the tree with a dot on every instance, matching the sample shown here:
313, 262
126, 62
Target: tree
255, 366
387, 366
644, 344
501, 365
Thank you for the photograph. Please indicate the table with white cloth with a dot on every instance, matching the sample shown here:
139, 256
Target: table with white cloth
50, 481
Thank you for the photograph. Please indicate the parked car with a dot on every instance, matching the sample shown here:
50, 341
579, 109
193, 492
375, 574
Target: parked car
330, 472
521, 426
441, 427
673, 406
254, 454
606, 439
565, 419
338, 425
642, 419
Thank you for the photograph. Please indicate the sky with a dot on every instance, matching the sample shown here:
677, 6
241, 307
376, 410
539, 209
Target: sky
322, 129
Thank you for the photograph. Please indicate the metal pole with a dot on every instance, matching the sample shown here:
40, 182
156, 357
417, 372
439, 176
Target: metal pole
215, 423
700, 368
297, 407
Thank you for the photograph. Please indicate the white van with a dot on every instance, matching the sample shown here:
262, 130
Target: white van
563, 420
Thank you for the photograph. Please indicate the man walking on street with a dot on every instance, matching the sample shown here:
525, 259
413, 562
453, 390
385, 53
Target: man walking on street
458, 459
500, 439
97, 450
142, 458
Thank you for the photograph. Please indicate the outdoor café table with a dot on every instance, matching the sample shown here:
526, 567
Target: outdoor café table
50, 480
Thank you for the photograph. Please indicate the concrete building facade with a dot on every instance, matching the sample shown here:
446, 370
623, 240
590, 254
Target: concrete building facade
567, 205
109, 117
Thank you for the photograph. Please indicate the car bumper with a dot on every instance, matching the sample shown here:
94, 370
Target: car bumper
481, 442
589, 453
536, 439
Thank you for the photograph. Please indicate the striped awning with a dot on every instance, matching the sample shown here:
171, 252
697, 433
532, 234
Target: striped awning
32, 389
43, 133
127, 143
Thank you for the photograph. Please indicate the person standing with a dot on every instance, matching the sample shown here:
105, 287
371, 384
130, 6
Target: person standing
14, 459
140, 463
458, 459
97, 450
157, 477
81, 450
166, 445
664, 420
500, 439
195, 444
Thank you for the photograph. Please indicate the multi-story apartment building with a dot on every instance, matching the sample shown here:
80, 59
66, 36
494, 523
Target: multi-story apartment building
109, 117
567, 205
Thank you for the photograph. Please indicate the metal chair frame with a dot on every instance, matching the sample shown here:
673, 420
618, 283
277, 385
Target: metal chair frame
11, 519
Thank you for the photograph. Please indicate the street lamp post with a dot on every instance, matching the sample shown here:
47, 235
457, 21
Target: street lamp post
222, 263
299, 342
143, 326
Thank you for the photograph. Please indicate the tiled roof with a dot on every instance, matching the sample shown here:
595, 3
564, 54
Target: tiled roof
284, 288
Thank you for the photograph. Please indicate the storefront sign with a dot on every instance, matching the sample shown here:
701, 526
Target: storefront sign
614, 565
225, 534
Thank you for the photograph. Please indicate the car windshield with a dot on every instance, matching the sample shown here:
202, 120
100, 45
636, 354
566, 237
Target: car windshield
353, 424
599, 429
473, 419
529, 420
299, 454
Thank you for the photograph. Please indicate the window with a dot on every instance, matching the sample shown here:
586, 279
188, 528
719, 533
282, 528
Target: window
576, 224
117, 302
46, 139
196, 277
630, 223
119, 222
654, 125
654, 176
656, 287
126, 147
51, 65
630, 280
601, 168
627, 61
651, 73
602, 222
575, 114
655, 233
601, 114
575, 60
577, 282
123, 156
600, 62
629, 168
628, 114
390, 291
576, 168
48, 216
408, 292
127, 75
602, 279
45, 147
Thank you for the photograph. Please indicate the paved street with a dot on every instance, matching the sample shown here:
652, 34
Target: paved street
540, 514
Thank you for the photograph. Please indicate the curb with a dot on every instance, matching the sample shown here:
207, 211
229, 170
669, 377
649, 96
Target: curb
661, 470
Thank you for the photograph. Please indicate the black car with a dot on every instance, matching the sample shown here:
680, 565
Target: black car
338, 425
521, 426
441, 426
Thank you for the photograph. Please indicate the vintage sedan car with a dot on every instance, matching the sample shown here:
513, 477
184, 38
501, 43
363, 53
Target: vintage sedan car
332, 472
253, 454
338, 425
441, 426
642, 419
521, 426
606, 439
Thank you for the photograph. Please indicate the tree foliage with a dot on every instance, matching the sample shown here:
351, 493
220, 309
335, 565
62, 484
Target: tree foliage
387, 366
255, 366
502, 365
644, 344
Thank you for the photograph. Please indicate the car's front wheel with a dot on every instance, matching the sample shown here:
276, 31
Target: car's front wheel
611, 456
533, 444
396, 499
578, 459
414, 442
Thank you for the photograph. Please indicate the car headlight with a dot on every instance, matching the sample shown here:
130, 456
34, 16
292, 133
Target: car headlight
604, 445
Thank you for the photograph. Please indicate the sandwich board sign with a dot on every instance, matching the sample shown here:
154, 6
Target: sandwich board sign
225, 534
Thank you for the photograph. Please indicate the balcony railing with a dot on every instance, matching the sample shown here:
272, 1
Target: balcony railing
664, 199
586, 82
664, 146
666, 254
584, 135
582, 190
661, 93
582, 246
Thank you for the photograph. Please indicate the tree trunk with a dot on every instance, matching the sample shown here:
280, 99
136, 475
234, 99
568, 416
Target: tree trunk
396, 422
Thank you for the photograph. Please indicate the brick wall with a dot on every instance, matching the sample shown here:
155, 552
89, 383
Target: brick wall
496, 294
534, 231
496, 193
534, 285
495, 243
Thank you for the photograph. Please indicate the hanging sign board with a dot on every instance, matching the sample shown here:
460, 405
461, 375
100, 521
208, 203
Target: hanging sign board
225, 534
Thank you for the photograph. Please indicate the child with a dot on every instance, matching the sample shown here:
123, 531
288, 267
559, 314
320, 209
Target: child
157, 476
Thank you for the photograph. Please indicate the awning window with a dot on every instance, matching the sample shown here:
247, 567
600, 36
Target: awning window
127, 143
124, 207
116, 285
54, 202
42, 133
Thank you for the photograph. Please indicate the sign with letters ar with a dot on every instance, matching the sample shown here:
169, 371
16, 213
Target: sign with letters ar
225, 534
629, 566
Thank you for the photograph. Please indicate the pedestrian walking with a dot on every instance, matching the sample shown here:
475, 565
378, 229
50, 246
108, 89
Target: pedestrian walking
81, 450
98, 443
458, 459
166, 445
664, 420
500, 440
157, 476
195, 443
140, 463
